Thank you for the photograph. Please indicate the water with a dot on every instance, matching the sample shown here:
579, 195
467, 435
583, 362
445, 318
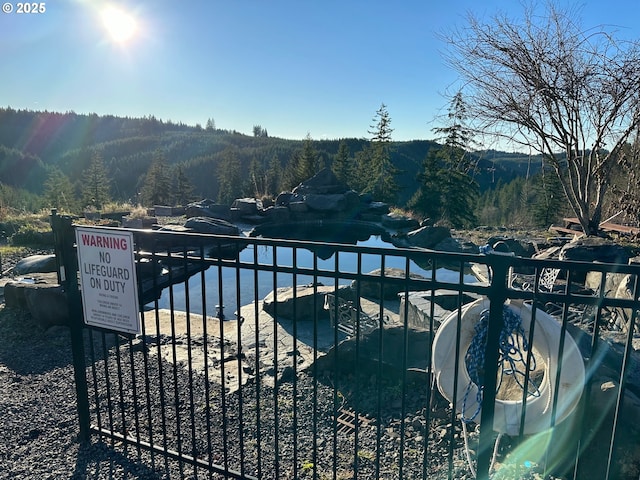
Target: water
234, 288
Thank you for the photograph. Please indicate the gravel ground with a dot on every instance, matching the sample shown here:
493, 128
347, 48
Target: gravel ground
39, 425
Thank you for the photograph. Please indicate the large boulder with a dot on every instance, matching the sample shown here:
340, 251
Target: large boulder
297, 304
397, 221
41, 296
373, 289
428, 237
35, 264
208, 225
246, 206
594, 249
324, 182
333, 202
207, 208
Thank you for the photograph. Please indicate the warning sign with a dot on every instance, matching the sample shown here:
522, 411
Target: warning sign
108, 279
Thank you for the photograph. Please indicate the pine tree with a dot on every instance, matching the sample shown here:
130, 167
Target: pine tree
59, 192
549, 199
274, 177
381, 179
341, 166
428, 199
182, 188
96, 183
308, 160
229, 177
447, 190
157, 183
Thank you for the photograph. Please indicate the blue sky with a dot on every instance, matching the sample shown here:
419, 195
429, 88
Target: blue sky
294, 67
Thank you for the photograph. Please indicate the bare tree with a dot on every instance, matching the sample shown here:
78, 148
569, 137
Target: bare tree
572, 94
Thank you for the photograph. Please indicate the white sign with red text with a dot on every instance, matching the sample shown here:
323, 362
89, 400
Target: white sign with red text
108, 279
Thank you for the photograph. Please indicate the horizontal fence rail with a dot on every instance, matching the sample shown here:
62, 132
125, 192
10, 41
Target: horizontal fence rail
262, 358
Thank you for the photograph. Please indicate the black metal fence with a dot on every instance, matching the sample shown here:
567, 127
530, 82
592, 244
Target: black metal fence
265, 358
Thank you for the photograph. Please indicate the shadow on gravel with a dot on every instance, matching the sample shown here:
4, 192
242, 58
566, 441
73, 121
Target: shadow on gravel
99, 461
28, 349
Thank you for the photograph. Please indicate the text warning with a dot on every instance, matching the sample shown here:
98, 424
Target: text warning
108, 279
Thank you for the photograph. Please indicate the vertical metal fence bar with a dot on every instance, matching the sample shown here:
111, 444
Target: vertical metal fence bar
119, 376
497, 297
430, 376
378, 377
134, 392
147, 390
240, 353
276, 413
223, 392
174, 369
256, 340
626, 360
335, 391
314, 422
205, 352
187, 303
67, 266
94, 376
107, 383
294, 359
161, 383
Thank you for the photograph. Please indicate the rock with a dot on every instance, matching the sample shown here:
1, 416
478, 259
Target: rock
373, 289
521, 248
211, 225
47, 304
303, 299
246, 206
285, 198
594, 249
335, 202
277, 214
324, 182
624, 291
363, 354
35, 264
428, 237
139, 222
298, 207
45, 300
207, 208
398, 221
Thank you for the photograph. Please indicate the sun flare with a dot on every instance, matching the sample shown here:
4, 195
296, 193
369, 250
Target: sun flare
120, 25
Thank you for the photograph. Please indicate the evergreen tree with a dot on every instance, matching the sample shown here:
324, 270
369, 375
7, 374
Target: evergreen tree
182, 188
341, 166
59, 192
211, 125
428, 199
447, 191
303, 165
457, 138
157, 183
549, 201
257, 177
274, 177
381, 179
96, 183
229, 177
309, 160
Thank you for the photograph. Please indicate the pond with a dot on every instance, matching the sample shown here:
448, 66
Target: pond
234, 288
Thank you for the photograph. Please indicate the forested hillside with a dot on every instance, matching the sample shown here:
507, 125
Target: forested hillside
35, 145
